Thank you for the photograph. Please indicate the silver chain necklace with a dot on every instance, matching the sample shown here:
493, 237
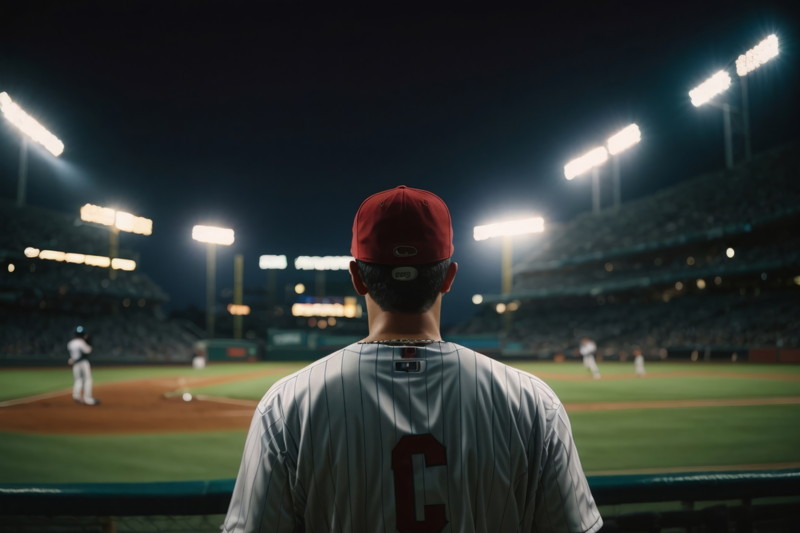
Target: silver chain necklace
402, 342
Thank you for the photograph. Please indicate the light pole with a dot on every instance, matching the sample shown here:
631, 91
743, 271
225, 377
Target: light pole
507, 230
704, 94
746, 63
619, 142
33, 130
591, 160
272, 263
211, 236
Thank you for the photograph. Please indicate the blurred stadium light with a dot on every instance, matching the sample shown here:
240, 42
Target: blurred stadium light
115, 263
705, 93
507, 229
238, 309
766, 50
116, 219
33, 130
211, 236
321, 264
713, 86
328, 262
272, 262
347, 307
591, 160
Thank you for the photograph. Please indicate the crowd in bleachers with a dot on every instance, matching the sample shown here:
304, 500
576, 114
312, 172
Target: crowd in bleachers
766, 251
708, 264
131, 336
698, 321
726, 202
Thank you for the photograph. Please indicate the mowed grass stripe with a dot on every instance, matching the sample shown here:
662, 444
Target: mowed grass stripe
687, 438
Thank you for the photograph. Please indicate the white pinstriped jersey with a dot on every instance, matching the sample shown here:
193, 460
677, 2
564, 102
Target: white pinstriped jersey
379, 438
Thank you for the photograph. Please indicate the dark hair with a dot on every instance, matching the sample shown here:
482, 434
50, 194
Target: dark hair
407, 296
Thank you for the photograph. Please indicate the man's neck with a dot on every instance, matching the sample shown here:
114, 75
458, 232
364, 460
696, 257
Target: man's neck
385, 325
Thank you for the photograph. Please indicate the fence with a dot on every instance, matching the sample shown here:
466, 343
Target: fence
764, 501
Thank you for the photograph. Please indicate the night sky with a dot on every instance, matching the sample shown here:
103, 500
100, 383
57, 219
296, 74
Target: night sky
278, 121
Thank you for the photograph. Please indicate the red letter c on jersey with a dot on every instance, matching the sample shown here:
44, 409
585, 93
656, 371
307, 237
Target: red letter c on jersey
435, 455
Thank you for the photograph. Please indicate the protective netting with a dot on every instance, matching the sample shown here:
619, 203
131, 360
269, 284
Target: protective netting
120, 524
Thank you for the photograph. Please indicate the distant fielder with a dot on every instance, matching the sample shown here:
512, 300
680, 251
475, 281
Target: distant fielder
79, 350
638, 362
588, 351
403, 431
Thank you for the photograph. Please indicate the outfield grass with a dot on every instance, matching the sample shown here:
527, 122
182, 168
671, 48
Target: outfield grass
619, 441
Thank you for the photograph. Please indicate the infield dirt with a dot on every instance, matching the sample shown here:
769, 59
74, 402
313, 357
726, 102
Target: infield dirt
156, 406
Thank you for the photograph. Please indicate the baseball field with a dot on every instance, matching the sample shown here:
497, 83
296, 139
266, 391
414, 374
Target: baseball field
179, 423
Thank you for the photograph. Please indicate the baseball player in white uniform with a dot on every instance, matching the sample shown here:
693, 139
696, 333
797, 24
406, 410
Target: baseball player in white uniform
588, 349
79, 350
403, 431
638, 362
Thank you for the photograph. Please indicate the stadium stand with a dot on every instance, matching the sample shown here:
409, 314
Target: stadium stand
42, 301
709, 266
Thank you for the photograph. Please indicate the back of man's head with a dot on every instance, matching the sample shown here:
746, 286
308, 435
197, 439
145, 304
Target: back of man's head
402, 243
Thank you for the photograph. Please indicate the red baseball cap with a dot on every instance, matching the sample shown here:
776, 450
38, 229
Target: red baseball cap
402, 226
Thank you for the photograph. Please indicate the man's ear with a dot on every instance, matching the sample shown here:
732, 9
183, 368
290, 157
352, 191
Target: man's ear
451, 275
355, 277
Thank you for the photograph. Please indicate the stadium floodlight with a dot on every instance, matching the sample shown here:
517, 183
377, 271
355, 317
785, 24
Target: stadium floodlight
704, 94
591, 160
30, 126
746, 63
211, 236
580, 165
116, 219
238, 309
508, 228
272, 262
31, 129
713, 86
328, 262
116, 263
764, 51
624, 139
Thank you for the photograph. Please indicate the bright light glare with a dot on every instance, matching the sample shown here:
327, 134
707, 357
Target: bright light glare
716, 84
758, 55
123, 264
121, 220
272, 262
213, 235
81, 259
30, 126
328, 262
624, 139
239, 310
349, 309
299, 288
510, 227
579, 165
730, 252
477, 299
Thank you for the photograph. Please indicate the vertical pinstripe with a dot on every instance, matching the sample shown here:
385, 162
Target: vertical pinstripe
318, 456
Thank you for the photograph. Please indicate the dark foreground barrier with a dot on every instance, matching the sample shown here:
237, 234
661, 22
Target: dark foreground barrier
763, 501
